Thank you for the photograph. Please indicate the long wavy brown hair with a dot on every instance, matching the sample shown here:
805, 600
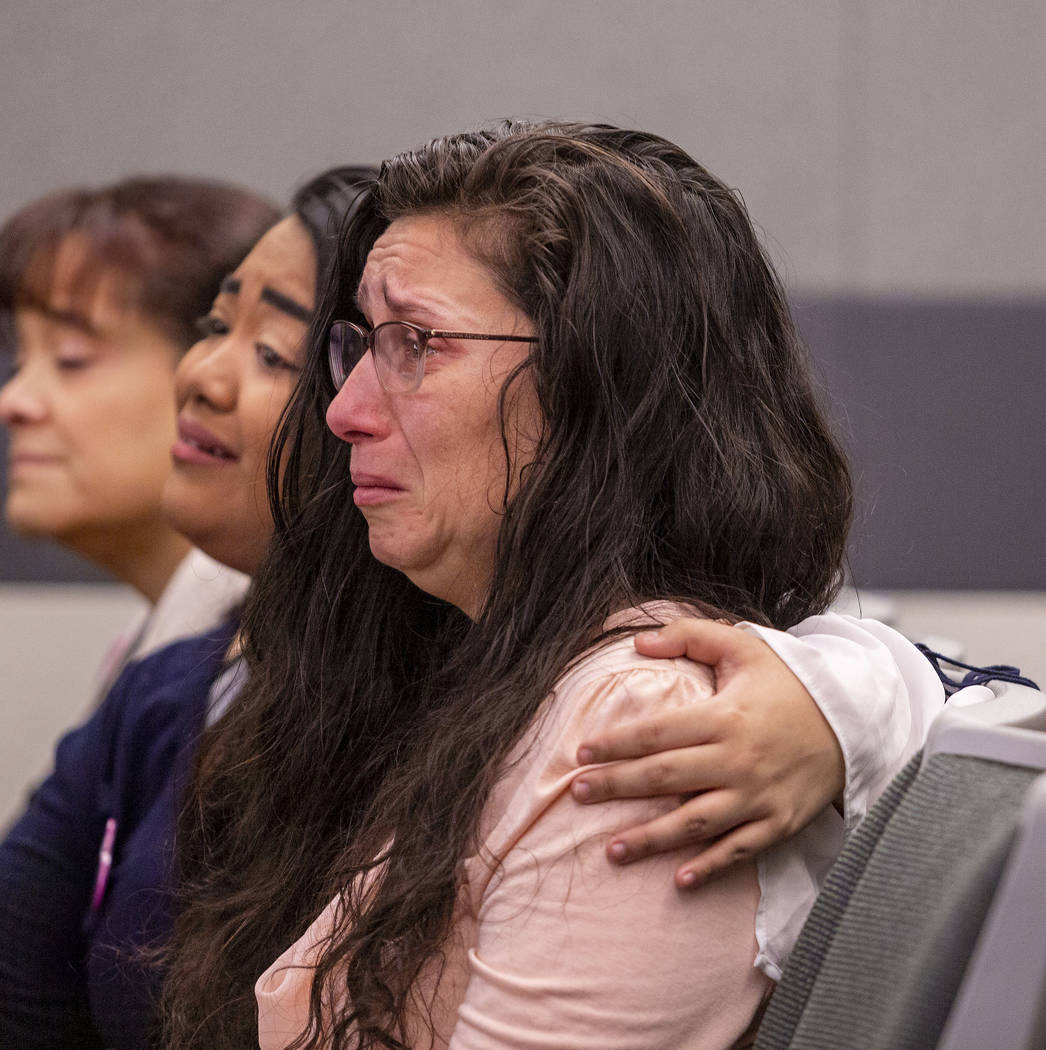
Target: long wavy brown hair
683, 455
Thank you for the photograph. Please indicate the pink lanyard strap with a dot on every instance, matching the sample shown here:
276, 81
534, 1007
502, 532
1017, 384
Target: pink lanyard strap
105, 863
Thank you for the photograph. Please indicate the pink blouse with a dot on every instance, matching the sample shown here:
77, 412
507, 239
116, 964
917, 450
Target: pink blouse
555, 949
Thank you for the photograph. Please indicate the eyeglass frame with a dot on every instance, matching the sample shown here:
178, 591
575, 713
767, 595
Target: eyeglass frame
335, 366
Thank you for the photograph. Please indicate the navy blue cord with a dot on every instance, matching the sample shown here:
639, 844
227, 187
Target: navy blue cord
974, 675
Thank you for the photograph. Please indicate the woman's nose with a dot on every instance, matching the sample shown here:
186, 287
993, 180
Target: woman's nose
360, 409
209, 373
21, 400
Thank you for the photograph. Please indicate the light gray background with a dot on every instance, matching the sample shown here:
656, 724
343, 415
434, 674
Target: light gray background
892, 153
889, 147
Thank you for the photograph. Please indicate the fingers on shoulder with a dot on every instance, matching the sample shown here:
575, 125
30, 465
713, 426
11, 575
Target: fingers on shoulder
652, 710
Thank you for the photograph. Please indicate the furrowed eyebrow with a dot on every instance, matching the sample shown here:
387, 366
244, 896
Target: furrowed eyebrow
360, 298
398, 304
401, 305
286, 304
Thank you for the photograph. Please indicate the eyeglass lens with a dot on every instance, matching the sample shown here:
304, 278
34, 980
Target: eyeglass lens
398, 354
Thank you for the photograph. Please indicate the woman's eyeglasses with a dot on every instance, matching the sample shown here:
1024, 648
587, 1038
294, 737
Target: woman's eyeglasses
399, 350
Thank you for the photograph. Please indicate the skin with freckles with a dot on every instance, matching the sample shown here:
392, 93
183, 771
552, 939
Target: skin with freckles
231, 388
428, 466
90, 418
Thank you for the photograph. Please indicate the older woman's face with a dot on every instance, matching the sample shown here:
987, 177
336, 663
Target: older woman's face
89, 410
429, 467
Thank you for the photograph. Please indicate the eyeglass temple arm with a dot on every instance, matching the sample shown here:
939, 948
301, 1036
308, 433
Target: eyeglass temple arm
473, 335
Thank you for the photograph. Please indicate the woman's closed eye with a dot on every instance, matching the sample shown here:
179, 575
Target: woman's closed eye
210, 325
74, 354
72, 363
270, 358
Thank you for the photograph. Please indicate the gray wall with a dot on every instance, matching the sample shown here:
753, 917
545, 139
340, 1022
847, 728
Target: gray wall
893, 154
940, 402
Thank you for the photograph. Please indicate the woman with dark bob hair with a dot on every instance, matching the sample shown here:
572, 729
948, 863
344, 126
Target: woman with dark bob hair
569, 404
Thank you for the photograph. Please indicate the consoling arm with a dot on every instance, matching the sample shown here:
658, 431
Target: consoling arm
827, 712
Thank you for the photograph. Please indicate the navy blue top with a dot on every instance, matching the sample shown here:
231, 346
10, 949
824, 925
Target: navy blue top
69, 973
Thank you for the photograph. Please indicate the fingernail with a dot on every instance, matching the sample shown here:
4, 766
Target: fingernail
582, 790
585, 756
688, 878
618, 851
653, 635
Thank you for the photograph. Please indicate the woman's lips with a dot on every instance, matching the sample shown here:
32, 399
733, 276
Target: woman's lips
22, 462
372, 489
196, 444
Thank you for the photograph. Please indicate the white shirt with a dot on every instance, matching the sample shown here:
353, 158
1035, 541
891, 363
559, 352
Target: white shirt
879, 695
200, 595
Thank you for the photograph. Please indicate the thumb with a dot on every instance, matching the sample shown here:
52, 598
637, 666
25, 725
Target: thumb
703, 641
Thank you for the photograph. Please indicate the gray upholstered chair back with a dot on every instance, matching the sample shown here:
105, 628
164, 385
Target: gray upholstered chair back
931, 928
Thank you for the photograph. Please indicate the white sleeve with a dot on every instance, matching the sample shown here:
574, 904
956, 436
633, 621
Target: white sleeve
877, 691
879, 695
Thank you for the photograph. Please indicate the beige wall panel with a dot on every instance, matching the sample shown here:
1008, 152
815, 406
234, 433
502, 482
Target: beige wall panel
950, 196
269, 93
883, 147
54, 639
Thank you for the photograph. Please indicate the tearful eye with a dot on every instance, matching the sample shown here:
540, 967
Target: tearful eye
413, 347
400, 350
407, 348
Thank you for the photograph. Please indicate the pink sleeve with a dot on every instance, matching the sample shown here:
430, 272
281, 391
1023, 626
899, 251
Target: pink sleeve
555, 948
571, 952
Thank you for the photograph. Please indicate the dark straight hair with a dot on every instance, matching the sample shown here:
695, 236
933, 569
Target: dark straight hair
683, 455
